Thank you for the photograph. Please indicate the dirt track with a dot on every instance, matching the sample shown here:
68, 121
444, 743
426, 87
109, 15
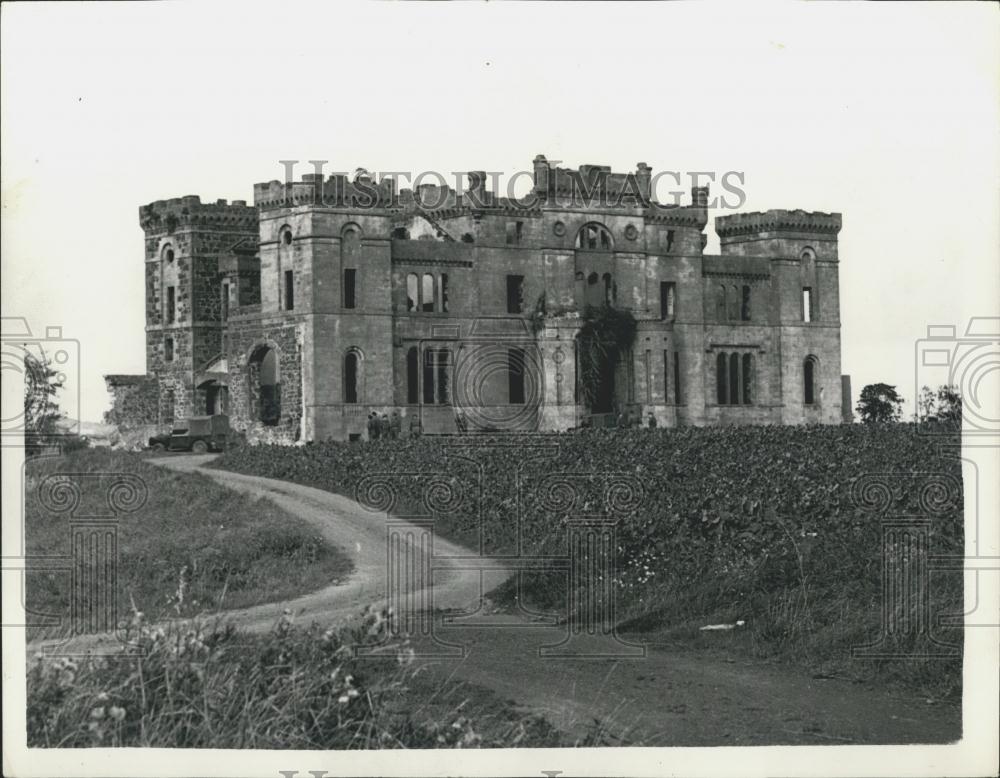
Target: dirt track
667, 697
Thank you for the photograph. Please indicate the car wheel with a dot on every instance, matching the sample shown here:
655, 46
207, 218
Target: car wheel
159, 448
199, 447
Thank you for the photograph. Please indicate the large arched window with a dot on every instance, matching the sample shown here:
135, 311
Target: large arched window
265, 385
809, 370
594, 237
352, 376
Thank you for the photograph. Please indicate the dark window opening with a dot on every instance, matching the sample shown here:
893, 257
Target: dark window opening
265, 385
733, 303
747, 378
289, 290
734, 379
515, 376
352, 367
745, 305
168, 349
444, 293
171, 304
670, 239
720, 303
668, 294
677, 378
809, 380
721, 379
225, 302
515, 231
350, 280
412, 376
468, 238
286, 237
443, 358
609, 289
401, 233
170, 255
515, 294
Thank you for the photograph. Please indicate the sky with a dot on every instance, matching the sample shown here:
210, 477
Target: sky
885, 113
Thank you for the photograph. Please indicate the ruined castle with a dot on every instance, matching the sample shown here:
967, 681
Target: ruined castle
332, 298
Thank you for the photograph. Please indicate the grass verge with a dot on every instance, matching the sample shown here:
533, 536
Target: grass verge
193, 547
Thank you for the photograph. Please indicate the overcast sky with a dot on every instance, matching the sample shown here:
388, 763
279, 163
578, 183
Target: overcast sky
886, 113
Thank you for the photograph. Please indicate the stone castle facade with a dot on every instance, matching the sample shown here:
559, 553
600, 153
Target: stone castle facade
330, 299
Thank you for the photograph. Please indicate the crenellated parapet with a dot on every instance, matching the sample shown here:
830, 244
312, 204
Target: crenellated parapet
168, 216
755, 224
337, 191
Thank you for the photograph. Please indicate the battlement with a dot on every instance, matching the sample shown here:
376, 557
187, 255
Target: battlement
593, 182
742, 225
190, 212
335, 192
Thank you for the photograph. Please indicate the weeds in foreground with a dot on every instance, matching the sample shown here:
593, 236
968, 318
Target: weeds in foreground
214, 687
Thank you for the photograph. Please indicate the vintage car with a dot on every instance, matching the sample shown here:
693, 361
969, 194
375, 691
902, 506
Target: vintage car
198, 434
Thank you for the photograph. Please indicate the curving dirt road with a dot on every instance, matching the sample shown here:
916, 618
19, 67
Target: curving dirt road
668, 696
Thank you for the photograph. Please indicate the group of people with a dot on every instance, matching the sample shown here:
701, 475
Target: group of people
382, 426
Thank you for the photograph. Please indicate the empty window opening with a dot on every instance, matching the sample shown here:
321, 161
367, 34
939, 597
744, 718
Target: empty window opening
171, 304
225, 302
670, 240
350, 281
265, 385
437, 377
647, 363
444, 293
412, 376
427, 293
412, 292
515, 375
807, 304
429, 377
720, 303
809, 380
594, 237
515, 294
609, 289
169, 254
515, 231
286, 237
168, 349
289, 290
352, 370
668, 295
745, 304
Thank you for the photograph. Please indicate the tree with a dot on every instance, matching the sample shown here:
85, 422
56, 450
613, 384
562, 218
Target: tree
41, 412
879, 403
944, 405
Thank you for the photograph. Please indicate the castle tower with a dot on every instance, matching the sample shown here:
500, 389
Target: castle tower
800, 251
185, 305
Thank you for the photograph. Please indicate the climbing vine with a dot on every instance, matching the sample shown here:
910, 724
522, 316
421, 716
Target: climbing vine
606, 334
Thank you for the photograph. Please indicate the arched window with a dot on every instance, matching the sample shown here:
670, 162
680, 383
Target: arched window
747, 379
352, 376
265, 385
745, 304
720, 302
721, 381
168, 253
808, 253
427, 293
412, 292
809, 367
286, 236
594, 237
412, 376
733, 303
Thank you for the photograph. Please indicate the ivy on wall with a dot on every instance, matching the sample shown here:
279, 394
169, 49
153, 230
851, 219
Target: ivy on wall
606, 334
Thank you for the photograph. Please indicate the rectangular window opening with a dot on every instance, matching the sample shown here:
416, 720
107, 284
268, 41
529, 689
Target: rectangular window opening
350, 287
677, 378
668, 299
289, 290
515, 376
225, 302
444, 292
807, 304
515, 294
171, 304
168, 350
